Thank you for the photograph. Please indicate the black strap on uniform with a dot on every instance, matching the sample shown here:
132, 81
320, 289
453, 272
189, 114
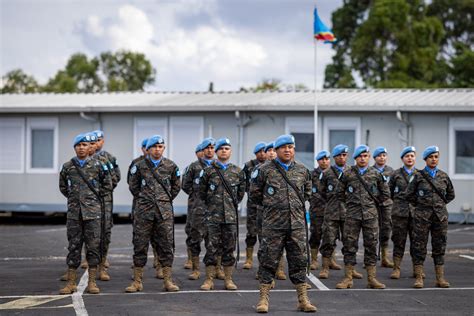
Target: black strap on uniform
299, 194
236, 207
434, 187
102, 209
160, 182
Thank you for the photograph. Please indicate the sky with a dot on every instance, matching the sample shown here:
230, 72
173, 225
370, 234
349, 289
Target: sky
233, 43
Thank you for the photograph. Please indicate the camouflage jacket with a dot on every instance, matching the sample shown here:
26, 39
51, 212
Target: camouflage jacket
398, 184
281, 206
190, 185
150, 195
317, 203
249, 167
359, 203
387, 175
219, 204
425, 198
134, 162
81, 200
111, 162
335, 208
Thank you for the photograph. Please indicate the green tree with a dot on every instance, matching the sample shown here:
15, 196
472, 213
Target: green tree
16, 81
266, 85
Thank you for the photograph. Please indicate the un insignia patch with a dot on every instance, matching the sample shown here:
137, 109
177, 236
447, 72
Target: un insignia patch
421, 193
396, 190
196, 180
330, 188
254, 174
212, 187
315, 189
271, 190
143, 182
178, 173
350, 189
133, 170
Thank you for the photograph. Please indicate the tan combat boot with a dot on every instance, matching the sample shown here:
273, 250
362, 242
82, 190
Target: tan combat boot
137, 284
64, 276
355, 274
372, 282
71, 286
219, 271
91, 285
386, 263
195, 275
189, 261
396, 268
280, 272
103, 274
303, 301
84, 264
249, 260
346, 283
324, 273
168, 283
210, 275
440, 280
419, 276
156, 261
314, 259
106, 263
263, 301
228, 283
423, 275
158, 270
333, 263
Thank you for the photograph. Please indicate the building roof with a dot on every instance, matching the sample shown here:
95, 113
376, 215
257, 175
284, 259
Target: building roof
439, 100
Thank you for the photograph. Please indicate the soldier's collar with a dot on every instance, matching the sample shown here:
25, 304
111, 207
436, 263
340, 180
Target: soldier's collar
380, 169
362, 170
409, 171
222, 165
284, 165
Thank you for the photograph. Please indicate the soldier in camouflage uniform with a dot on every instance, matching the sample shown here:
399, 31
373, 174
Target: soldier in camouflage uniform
430, 190
84, 215
155, 183
270, 151
402, 210
362, 214
317, 206
380, 156
252, 230
222, 213
283, 220
190, 185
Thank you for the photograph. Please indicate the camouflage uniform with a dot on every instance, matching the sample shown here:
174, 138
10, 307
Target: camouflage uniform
430, 216
317, 206
252, 227
361, 213
153, 218
283, 219
386, 228
84, 209
221, 213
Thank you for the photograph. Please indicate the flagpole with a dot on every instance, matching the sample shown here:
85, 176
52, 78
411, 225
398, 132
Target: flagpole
316, 130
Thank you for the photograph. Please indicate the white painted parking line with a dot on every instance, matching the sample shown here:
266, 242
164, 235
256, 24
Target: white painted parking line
51, 230
28, 302
317, 282
467, 257
460, 229
77, 300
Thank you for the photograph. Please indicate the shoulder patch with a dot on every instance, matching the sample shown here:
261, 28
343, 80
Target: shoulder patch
254, 173
178, 173
133, 170
105, 167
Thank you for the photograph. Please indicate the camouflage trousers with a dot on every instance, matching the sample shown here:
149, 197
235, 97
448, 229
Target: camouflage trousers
222, 241
421, 230
259, 225
332, 230
252, 229
81, 232
316, 230
198, 233
370, 230
402, 227
187, 227
109, 223
273, 242
159, 232
386, 225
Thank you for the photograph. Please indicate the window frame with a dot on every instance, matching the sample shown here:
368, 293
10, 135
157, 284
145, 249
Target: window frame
16, 121
458, 124
42, 122
301, 124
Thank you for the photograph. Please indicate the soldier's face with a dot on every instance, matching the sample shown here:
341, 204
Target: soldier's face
381, 159
82, 150
432, 160
363, 160
341, 159
286, 153
200, 154
156, 151
271, 154
223, 154
209, 152
261, 156
324, 163
409, 160
92, 149
100, 144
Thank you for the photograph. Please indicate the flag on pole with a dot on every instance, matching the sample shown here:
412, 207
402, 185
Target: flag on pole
321, 31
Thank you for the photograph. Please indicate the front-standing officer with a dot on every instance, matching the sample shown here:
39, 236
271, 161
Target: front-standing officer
430, 190
282, 186
155, 182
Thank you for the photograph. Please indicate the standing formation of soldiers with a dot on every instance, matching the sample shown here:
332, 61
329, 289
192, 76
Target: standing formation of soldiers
344, 201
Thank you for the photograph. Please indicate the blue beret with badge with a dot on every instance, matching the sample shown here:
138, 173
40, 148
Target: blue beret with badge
81, 138
430, 150
155, 139
339, 149
284, 140
406, 150
222, 142
379, 150
208, 142
92, 137
322, 154
144, 142
259, 146
98, 133
360, 150
268, 146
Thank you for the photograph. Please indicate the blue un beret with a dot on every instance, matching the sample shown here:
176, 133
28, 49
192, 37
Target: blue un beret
323, 154
284, 140
379, 150
222, 142
360, 150
259, 146
81, 138
207, 142
269, 145
430, 150
407, 150
92, 136
339, 149
155, 139
98, 133
144, 142
198, 148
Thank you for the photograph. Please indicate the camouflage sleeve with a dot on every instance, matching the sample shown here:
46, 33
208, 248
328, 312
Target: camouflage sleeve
175, 182
449, 190
245, 170
391, 185
134, 185
128, 172
63, 185
203, 185
307, 186
187, 183
257, 184
341, 189
384, 192
410, 193
106, 182
118, 175
242, 186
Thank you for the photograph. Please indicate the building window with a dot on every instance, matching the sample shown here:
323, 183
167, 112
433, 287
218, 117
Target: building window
342, 130
42, 142
185, 133
146, 127
302, 128
461, 160
12, 145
